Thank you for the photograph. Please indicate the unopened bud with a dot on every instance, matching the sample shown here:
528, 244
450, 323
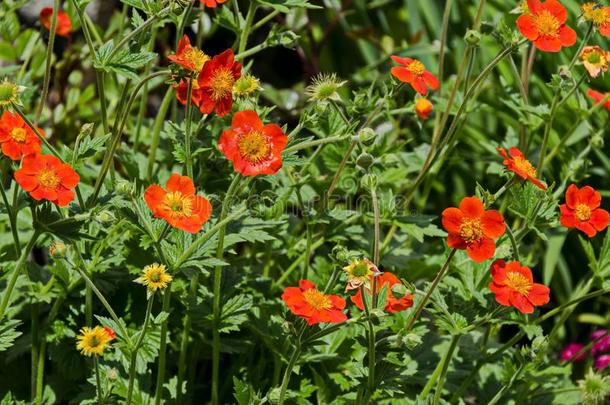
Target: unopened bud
366, 136
365, 161
472, 37
369, 181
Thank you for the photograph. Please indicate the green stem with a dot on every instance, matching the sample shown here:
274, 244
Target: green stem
506, 387
265, 20
216, 291
49, 60
98, 384
157, 127
6, 297
315, 142
12, 218
435, 282
187, 136
377, 232
286, 379
162, 349
438, 375
371, 345
134, 351
40, 371
245, 32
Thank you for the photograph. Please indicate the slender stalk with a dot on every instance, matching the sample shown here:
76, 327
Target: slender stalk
371, 346
315, 142
36, 131
158, 125
245, 32
187, 136
134, 351
506, 387
99, 75
104, 302
98, 384
40, 371
441, 51
424, 300
12, 218
49, 61
6, 297
438, 375
162, 350
216, 291
286, 379
377, 232
265, 20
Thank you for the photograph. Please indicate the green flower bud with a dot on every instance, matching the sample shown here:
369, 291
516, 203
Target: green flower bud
369, 181
366, 136
411, 341
472, 37
123, 187
365, 161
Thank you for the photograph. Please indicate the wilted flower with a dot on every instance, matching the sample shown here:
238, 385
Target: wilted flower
598, 15
358, 272
9, 93
246, 85
581, 210
154, 277
595, 60
313, 305
323, 87
57, 250
93, 341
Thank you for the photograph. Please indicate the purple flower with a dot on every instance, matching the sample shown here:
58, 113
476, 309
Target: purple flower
571, 350
602, 362
603, 344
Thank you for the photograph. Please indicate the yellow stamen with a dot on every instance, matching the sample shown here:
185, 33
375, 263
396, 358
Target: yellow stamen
518, 282
525, 166
547, 24
471, 230
317, 299
222, 84
416, 67
196, 57
48, 178
253, 146
583, 212
18, 134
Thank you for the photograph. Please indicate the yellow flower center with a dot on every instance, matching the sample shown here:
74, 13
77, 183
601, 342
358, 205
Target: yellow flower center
253, 146
180, 206
93, 341
48, 178
583, 212
547, 24
317, 299
8, 93
18, 135
360, 270
416, 67
196, 57
525, 166
155, 276
222, 83
596, 14
471, 230
518, 282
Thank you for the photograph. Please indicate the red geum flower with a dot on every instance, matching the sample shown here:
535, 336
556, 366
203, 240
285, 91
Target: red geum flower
570, 352
472, 228
516, 162
414, 73
581, 210
423, 108
189, 57
393, 304
513, 286
17, 138
178, 204
111, 334
46, 177
253, 148
64, 25
211, 3
599, 97
545, 25
216, 81
313, 305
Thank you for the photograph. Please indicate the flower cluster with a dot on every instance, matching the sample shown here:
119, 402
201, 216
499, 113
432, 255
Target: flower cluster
599, 347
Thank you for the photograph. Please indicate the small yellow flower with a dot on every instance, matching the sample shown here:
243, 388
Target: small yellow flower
358, 272
595, 60
93, 341
246, 85
154, 277
9, 93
